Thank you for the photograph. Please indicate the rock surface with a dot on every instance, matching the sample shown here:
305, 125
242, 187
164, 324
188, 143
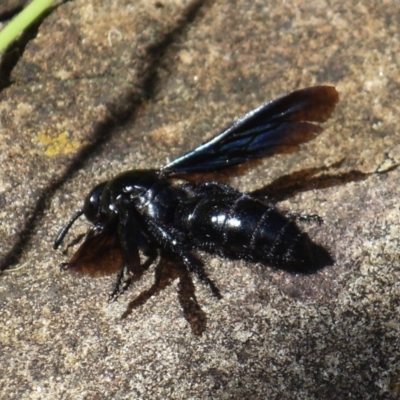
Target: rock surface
107, 86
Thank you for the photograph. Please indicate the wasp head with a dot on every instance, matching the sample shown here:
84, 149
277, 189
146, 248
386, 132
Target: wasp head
91, 209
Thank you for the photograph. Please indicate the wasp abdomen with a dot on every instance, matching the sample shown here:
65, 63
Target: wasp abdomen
237, 225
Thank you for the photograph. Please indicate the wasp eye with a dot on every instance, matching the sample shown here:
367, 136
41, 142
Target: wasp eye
91, 207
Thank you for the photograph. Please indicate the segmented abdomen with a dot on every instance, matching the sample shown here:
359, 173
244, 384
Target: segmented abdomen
237, 225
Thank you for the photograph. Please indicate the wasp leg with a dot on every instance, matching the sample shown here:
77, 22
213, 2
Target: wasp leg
129, 237
209, 189
173, 244
122, 283
296, 216
197, 267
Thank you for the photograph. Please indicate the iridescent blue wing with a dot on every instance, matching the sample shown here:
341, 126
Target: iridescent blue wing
279, 126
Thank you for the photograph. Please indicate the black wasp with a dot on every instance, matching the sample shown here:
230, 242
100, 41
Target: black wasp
145, 210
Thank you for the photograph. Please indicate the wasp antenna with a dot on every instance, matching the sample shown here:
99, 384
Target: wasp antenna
65, 229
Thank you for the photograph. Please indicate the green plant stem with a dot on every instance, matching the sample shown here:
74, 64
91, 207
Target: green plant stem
22, 21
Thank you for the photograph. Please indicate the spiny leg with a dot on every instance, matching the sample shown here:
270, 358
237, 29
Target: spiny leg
209, 188
128, 235
197, 267
125, 278
298, 216
165, 274
120, 286
173, 243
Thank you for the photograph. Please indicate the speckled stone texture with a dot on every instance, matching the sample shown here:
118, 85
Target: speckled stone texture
112, 85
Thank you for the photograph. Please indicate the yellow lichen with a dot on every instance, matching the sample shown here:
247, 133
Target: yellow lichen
59, 143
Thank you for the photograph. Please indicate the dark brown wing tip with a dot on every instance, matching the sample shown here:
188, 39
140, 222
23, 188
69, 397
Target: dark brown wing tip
324, 99
90, 270
99, 255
